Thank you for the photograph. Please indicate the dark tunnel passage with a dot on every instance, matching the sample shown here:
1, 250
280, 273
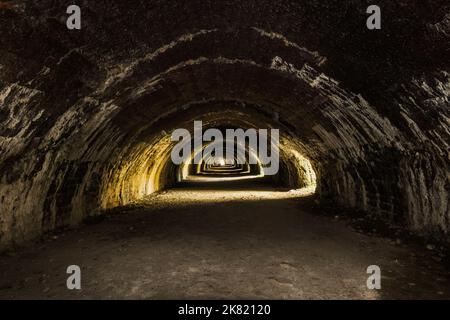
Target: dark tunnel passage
86, 119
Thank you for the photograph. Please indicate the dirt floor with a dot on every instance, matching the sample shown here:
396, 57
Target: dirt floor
246, 242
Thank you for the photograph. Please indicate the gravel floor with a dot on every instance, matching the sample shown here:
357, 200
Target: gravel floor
197, 242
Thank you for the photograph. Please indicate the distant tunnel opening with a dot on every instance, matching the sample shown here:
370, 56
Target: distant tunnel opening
150, 167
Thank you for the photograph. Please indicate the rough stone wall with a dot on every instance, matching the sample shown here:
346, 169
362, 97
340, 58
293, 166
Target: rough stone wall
84, 115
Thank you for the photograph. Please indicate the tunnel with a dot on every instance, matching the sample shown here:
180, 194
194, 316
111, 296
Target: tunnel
86, 137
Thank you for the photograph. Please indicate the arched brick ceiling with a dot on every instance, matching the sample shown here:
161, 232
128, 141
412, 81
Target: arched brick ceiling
86, 115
